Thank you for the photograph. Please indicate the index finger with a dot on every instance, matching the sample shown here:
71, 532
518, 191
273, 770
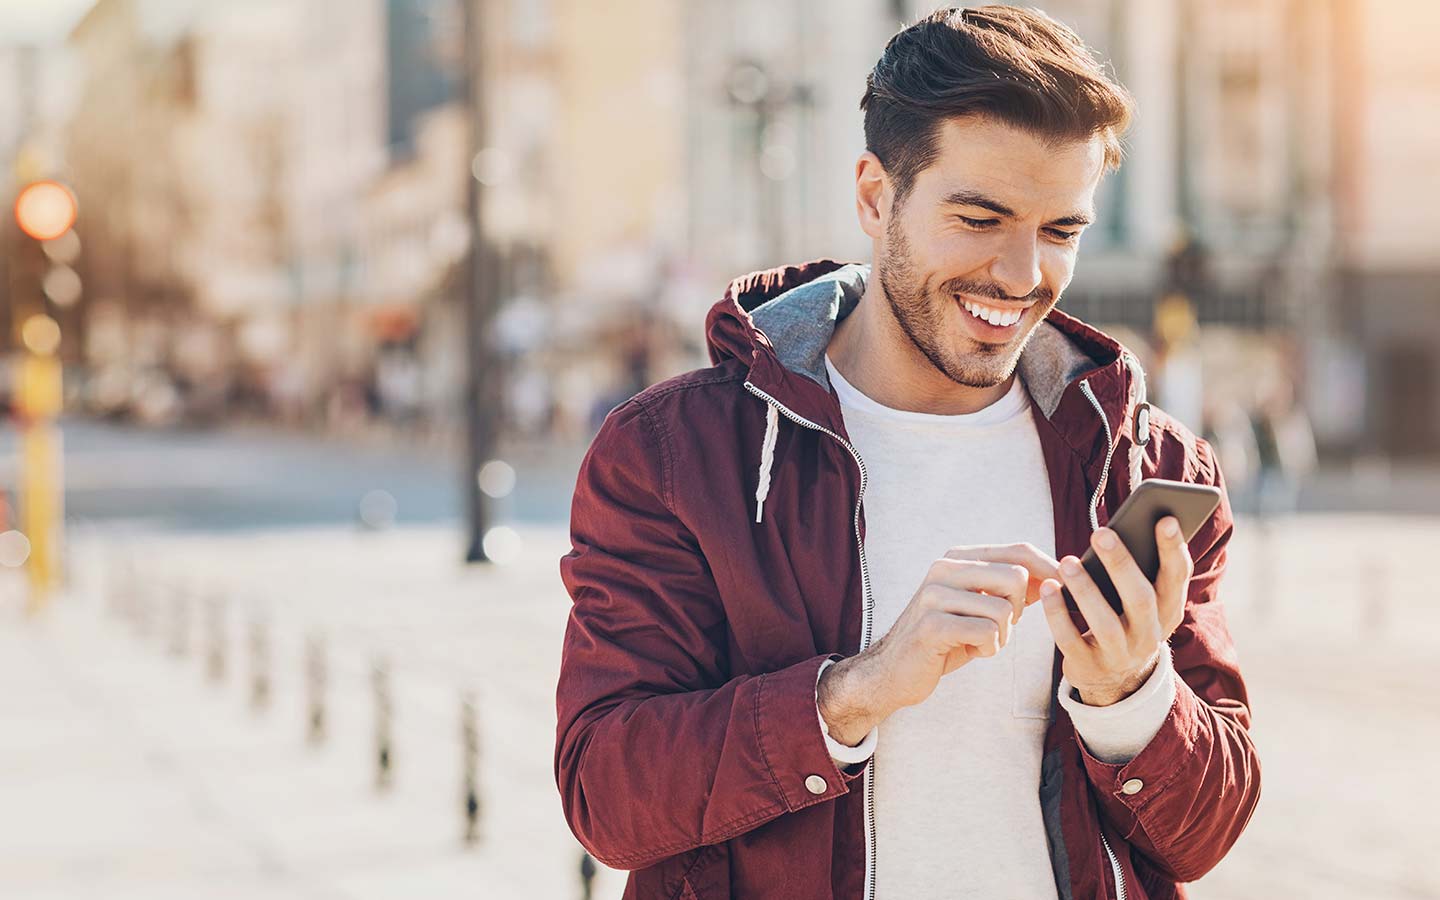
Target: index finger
1039, 564
1002, 580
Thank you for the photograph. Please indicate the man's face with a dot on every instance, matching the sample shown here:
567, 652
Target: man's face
993, 225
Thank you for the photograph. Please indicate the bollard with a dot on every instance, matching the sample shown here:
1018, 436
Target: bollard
380, 683
179, 623
259, 666
587, 875
315, 688
469, 765
215, 629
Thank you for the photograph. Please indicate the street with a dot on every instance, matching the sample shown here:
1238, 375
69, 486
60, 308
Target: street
139, 764
256, 478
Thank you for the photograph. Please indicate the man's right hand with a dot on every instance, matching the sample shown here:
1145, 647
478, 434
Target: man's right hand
964, 609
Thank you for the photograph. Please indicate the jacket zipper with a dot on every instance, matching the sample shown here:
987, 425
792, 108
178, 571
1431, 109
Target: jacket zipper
1120, 892
867, 618
1109, 448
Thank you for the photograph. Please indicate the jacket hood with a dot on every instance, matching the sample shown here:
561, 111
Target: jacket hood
778, 323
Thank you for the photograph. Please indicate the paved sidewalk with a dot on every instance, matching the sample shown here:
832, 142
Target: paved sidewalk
126, 772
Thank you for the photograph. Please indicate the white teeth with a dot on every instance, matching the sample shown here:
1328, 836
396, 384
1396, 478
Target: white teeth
992, 315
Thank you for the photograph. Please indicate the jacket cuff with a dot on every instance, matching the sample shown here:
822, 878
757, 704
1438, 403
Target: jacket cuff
1118, 732
1131, 785
791, 742
843, 754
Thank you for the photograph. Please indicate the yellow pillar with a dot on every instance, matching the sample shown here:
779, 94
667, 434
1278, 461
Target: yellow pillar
41, 511
42, 515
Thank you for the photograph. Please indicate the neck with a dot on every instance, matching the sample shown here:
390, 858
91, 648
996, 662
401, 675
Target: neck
875, 355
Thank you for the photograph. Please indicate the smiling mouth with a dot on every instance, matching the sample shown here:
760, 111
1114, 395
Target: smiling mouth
1000, 317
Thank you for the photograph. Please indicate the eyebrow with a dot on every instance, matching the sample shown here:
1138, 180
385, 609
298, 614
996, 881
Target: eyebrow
975, 198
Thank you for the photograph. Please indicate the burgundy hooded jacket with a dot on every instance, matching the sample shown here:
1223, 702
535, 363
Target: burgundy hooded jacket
718, 559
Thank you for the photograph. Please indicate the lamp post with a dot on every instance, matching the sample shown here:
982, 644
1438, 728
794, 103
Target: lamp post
481, 419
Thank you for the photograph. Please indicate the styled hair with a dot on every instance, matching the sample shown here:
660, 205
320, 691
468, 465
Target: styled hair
1018, 65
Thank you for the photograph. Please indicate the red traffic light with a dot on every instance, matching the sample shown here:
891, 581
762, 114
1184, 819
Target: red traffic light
45, 210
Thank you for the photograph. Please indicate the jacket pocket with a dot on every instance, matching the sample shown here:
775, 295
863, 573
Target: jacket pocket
1032, 657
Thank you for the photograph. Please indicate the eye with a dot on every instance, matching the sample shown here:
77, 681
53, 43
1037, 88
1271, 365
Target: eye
1062, 235
978, 223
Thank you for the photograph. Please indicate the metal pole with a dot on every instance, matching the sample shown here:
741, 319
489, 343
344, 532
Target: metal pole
480, 420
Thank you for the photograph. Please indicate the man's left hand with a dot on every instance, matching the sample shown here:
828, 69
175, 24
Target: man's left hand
1115, 657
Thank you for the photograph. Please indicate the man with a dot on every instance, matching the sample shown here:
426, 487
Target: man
797, 665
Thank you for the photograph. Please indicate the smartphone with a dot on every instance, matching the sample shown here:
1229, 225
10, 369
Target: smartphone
1152, 500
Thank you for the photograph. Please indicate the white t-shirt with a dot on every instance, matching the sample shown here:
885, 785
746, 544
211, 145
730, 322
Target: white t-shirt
957, 777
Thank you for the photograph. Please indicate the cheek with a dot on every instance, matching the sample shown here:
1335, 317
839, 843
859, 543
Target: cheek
1058, 267
961, 253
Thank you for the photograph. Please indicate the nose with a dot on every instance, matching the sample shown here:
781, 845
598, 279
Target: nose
1017, 268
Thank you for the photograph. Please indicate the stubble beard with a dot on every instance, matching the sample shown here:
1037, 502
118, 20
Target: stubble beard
921, 314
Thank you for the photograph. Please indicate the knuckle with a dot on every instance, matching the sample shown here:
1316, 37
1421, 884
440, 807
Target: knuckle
1000, 607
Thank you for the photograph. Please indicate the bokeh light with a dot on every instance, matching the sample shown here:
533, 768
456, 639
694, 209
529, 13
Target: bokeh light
503, 545
14, 549
45, 210
497, 478
41, 335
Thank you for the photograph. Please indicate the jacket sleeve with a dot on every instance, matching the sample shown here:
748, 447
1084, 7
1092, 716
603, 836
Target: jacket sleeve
1199, 774
659, 749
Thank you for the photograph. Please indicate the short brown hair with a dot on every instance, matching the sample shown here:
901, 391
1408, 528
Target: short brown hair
1018, 65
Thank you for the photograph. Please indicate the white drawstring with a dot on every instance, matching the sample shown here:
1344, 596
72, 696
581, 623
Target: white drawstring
767, 458
1137, 453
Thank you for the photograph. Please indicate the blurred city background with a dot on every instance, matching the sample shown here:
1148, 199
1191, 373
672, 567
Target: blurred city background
294, 404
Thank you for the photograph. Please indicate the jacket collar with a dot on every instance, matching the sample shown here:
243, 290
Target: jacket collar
780, 322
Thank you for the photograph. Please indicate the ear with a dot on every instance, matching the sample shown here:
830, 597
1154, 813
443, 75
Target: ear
873, 194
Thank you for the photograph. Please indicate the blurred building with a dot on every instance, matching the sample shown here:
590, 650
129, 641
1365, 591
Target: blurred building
1270, 180
280, 190
174, 148
274, 195
1386, 138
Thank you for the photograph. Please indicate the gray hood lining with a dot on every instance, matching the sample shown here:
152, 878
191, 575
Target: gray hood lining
801, 322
